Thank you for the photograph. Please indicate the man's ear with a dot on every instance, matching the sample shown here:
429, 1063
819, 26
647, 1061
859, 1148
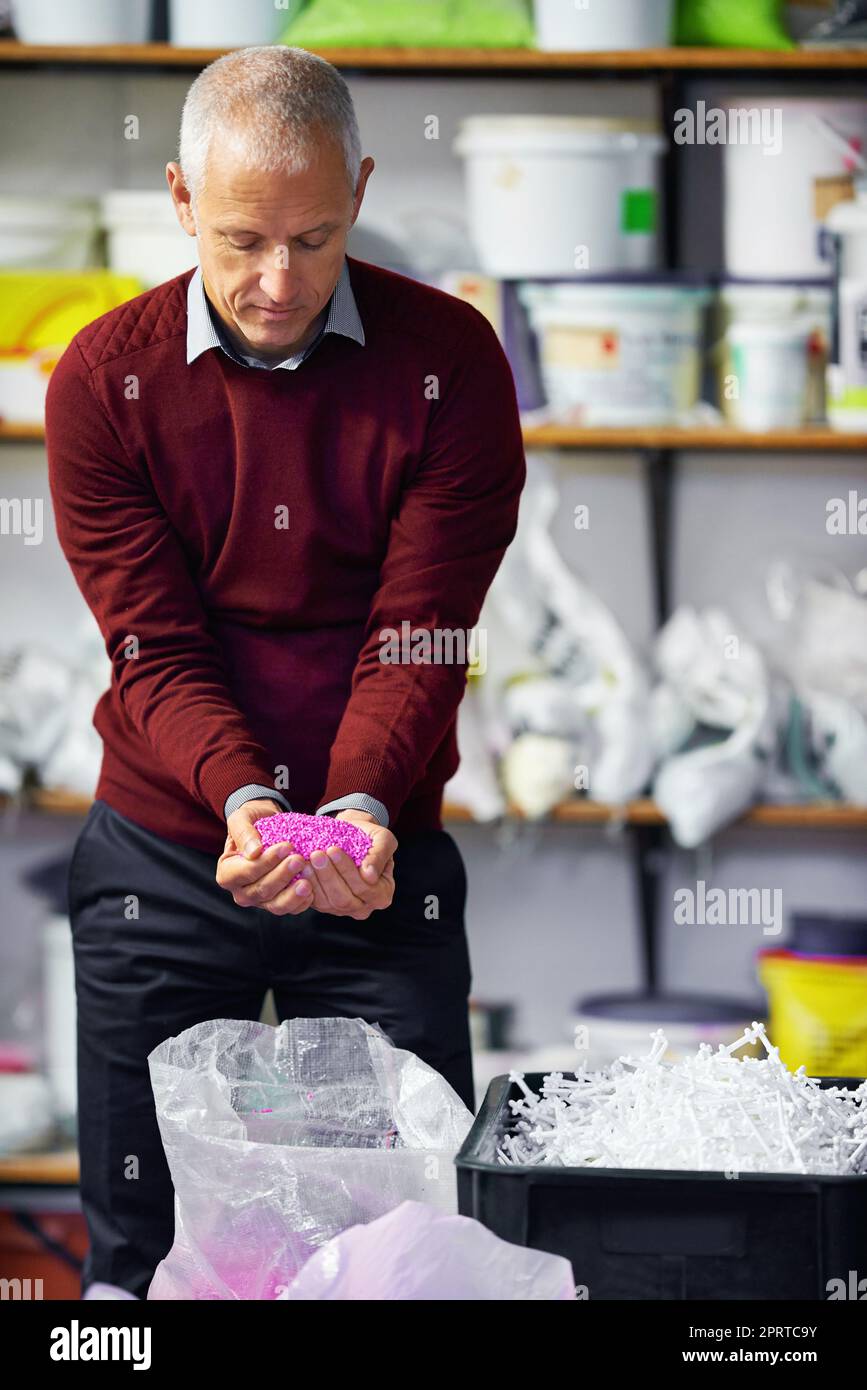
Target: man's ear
181, 197
364, 173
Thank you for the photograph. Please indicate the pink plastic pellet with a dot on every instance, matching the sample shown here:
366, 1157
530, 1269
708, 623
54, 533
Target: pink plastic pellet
308, 833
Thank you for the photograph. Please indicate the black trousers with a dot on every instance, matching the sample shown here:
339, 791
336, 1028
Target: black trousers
159, 946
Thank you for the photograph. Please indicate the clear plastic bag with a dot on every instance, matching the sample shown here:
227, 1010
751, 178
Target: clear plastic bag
278, 1139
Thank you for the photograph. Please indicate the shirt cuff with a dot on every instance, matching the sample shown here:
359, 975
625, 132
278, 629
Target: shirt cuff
253, 791
357, 801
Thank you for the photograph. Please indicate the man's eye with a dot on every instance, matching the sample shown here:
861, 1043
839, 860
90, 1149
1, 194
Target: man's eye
311, 245
245, 246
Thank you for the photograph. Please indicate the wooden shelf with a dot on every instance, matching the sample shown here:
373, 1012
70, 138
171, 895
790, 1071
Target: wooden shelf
821, 815
58, 1168
16, 434
59, 802
396, 60
830, 815
817, 440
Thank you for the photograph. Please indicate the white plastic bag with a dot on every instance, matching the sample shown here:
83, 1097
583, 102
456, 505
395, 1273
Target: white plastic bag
559, 666
280, 1138
714, 679
821, 646
417, 1252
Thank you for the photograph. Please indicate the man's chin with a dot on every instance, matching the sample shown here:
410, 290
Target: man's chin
267, 341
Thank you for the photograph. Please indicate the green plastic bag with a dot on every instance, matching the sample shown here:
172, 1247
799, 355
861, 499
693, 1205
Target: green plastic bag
732, 24
412, 24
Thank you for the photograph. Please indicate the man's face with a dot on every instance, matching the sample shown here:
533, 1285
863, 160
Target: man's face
271, 245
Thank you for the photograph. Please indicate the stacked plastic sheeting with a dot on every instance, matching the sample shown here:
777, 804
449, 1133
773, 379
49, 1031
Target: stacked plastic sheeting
278, 1139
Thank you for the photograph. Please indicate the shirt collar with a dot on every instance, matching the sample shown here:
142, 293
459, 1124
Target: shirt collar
203, 328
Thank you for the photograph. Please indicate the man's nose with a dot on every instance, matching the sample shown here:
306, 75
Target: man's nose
277, 279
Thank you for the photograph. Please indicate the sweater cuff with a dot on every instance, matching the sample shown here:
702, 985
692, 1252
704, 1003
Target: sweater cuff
388, 786
225, 772
254, 791
357, 801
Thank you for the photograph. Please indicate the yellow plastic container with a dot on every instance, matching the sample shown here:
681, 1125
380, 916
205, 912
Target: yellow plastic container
818, 1011
40, 313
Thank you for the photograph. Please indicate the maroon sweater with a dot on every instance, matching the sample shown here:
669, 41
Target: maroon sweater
240, 645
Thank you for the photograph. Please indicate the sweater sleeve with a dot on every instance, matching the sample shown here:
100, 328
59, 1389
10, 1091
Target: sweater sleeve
455, 520
134, 575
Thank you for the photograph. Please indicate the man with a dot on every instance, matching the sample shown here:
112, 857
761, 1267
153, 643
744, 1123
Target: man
260, 470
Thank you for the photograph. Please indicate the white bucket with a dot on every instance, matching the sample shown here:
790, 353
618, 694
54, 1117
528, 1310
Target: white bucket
82, 21
227, 23
769, 362
618, 355
24, 378
771, 214
776, 303
145, 238
573, 26
47, 233
560, 195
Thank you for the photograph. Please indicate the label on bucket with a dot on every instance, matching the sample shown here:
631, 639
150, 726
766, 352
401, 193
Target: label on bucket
589, 349
638, 210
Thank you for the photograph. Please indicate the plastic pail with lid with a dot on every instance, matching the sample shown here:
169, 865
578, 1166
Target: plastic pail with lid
773, 186
47, 233
613, 24
561, 195
782, 303
619, 354
145, 238
769, 365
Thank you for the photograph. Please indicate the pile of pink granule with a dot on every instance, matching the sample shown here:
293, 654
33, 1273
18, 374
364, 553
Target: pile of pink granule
308, 833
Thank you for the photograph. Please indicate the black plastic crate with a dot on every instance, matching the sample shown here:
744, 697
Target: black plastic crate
664, 1234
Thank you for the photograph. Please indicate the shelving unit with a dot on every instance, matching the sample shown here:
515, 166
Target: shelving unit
54, 1168
644, 62
810, 815
815, 440
669, 68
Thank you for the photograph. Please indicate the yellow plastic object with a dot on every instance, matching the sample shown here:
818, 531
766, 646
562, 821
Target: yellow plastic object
818, 1014
41, 310
40, 313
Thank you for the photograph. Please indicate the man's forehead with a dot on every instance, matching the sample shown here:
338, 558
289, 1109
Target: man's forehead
305, 196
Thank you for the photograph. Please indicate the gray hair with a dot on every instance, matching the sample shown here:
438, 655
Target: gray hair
267, 104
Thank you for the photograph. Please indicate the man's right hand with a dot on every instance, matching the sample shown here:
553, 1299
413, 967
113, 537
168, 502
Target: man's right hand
254, 875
